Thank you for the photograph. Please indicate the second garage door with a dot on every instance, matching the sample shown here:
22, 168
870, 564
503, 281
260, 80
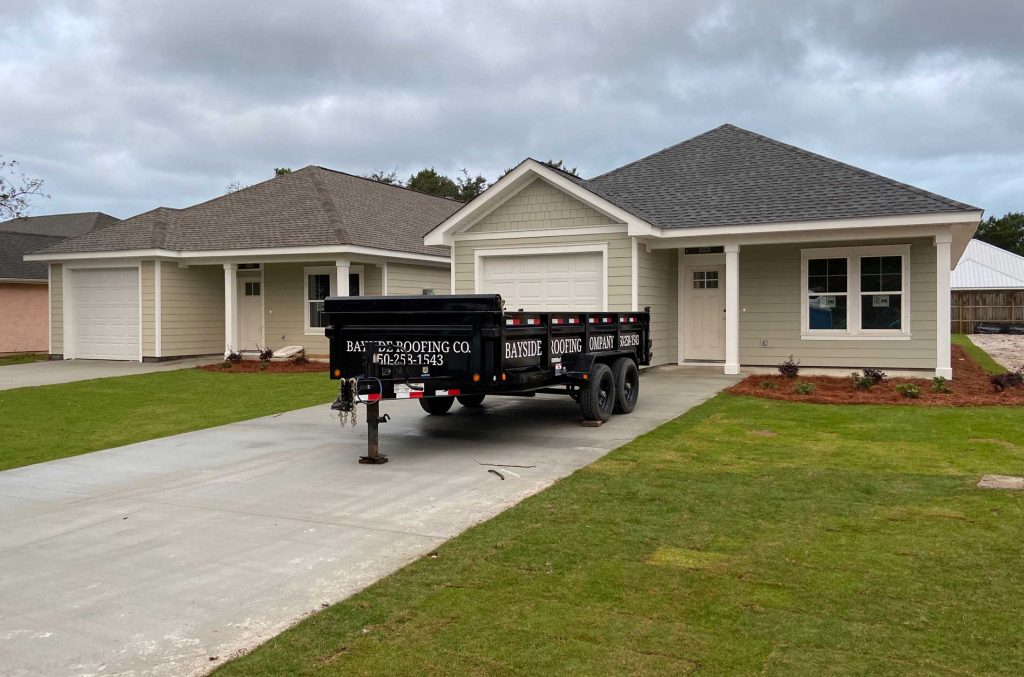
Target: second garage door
105, 313
546, 281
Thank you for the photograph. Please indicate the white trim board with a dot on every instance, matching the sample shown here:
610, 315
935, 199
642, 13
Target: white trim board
541, 250
243, 255
542, 232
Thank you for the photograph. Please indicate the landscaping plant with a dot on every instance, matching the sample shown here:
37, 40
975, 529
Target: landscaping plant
876, 375
803, 388
862, 381
266, 353
909, 390
940, 384
789, 368
300, 357
233, 357
1010, 379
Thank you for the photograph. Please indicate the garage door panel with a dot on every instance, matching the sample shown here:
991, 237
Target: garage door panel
571, 281
105, 313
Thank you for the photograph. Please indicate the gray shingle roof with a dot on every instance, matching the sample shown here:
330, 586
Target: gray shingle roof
13, 246
59, 225
730, 176
308, 207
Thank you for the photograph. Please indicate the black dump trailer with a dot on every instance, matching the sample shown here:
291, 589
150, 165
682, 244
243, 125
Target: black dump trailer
439, 349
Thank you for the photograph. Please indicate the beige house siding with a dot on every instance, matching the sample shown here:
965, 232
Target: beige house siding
372, 279
539, 206
56, 309
284, 299
407, 278
148, 291
192, 310
620, 264
770, 289
658, 283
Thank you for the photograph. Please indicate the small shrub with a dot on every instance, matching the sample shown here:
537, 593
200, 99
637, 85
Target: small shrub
940, 384
876, 375
803, 388
227, 364
789, 368
300, 357
234, 357
266, 353
909, 390
862, 382
264, 364
1010, 379
769, 385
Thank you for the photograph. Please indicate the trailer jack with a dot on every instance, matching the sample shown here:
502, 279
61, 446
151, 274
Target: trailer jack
373, 421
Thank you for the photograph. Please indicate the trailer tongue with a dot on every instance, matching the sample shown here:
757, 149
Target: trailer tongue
437, 349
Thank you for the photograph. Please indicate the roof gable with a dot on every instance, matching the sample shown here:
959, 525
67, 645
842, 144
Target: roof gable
730, 176
539, 205
985, 266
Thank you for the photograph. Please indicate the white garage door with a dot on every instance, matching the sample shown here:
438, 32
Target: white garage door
546, 281
105, 312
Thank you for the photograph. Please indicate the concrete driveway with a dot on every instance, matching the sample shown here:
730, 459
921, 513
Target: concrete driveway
154, 557
66, 371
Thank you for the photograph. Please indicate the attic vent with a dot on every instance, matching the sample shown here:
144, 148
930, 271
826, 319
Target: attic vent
703, 250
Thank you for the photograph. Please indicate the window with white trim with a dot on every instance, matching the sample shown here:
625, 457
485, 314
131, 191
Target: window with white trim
856, 292
320, 282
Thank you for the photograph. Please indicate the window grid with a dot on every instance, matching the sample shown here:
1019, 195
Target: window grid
857, 295
705, 279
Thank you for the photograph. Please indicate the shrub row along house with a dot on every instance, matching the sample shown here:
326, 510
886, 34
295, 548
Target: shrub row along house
746, 249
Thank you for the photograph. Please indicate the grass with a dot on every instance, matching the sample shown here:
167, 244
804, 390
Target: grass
22, 358
747, 536
978, 355
49, 422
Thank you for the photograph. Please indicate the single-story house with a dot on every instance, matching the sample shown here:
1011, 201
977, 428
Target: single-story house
246, 270
24, 313
747, 250
988, 287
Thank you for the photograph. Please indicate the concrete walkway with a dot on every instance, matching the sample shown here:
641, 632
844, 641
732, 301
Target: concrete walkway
66, 371
154, 557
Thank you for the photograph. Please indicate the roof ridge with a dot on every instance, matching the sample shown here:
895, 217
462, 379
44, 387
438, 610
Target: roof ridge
381, 183
340, 233
995, 246
663, 150
949, 202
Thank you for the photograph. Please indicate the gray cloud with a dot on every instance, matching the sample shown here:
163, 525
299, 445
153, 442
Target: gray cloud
123, 106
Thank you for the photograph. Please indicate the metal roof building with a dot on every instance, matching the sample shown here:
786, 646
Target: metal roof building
985, 266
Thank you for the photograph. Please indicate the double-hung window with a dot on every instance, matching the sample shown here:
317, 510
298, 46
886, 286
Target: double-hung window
320, 282
856, 292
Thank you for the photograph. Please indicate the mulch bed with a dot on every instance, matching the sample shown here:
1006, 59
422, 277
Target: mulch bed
970, 386
256, 367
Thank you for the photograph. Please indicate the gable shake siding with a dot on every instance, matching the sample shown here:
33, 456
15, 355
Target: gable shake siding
539, 206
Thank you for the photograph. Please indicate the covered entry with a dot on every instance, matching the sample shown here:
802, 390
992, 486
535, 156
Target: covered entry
543, 279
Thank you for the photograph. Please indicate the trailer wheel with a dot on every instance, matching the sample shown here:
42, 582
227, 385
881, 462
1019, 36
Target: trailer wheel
436, 405
597, 396
471, 400
627, 385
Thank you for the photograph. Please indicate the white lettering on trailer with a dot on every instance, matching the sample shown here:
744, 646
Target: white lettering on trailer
602, 342
569, 344
524, 348
629, 340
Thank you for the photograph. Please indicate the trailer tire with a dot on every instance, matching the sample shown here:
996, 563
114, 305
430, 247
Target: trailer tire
435, 406
476, 400
597, 396
627, 385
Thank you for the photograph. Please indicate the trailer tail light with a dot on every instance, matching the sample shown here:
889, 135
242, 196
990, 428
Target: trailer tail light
586, 377
337, 373
513, 322
476, 378
504, 376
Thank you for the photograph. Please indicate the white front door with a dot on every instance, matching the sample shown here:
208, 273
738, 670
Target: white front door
704, 313
546, 282
250, 313
105, 313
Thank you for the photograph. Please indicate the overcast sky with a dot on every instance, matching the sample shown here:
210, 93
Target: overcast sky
125, 106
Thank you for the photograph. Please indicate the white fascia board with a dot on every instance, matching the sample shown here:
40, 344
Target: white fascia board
515, 181
799, 236
247, 254
796, 227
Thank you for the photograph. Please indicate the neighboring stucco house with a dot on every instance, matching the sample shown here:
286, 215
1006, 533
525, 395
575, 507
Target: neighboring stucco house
988, 286
248, 269
746, 249
24, 316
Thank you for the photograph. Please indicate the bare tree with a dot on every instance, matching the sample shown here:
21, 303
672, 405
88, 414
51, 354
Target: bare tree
17, 190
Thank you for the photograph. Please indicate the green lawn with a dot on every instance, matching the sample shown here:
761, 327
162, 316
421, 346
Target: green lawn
748, 536
48, 422
22, 358
978, 355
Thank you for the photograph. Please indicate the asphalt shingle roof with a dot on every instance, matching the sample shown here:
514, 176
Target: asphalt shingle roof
731, 176
308, 207
59, 225
15, 245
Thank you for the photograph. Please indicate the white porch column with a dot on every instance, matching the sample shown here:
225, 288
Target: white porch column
732, 309
943, 364
230, 308
342, 277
